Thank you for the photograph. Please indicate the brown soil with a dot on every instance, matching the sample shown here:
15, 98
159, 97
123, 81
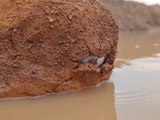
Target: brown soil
134, 16
42, 43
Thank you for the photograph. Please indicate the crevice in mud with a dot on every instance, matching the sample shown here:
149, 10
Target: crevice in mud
61, 84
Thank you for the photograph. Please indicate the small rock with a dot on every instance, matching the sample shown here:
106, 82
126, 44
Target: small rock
14, 30
51, 26
50, 20
70, 17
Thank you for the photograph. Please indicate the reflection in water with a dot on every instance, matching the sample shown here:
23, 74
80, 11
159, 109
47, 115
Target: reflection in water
89, 104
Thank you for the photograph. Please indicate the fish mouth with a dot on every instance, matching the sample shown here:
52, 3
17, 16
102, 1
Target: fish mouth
98, 61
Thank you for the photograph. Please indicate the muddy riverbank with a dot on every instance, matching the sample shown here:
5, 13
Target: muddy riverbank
133, 91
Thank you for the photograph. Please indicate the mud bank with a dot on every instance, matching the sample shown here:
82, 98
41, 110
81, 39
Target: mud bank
44, 45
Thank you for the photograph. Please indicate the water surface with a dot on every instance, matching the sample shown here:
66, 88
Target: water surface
137, 77
90, 104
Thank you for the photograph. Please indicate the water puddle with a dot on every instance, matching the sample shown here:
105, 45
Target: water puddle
133, 92
136, 77
137, 91
90, 104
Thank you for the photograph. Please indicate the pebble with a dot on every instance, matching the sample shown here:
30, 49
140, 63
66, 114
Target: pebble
51, 26
70, 17
14, 30
50, 20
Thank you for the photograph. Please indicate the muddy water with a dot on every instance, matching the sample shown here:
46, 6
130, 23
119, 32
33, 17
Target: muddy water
89, 104
137, 77
133, 92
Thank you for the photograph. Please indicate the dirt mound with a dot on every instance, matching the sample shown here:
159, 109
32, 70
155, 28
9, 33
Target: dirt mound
54, 46
133, 16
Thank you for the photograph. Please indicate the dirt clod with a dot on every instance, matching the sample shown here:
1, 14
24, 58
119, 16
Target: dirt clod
41, 48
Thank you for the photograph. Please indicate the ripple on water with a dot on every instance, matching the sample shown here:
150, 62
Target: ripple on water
137, 89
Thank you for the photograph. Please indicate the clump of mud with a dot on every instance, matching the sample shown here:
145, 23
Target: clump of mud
54, 46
